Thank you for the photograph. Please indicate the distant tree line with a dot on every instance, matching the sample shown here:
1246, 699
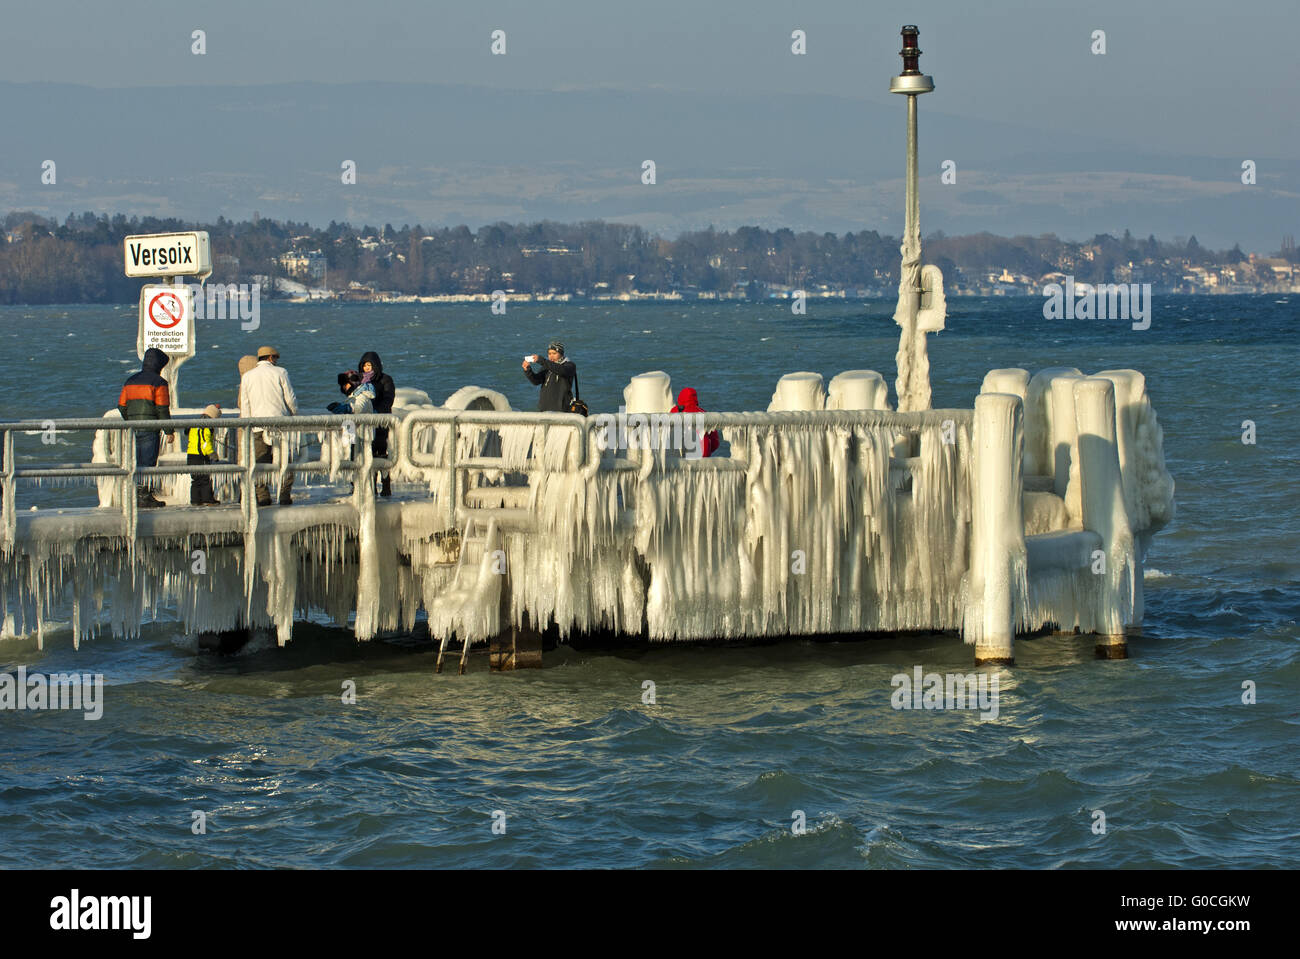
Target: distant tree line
1034, 256
80, 260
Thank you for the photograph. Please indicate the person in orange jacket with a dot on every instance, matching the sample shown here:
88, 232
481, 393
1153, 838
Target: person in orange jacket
144, 397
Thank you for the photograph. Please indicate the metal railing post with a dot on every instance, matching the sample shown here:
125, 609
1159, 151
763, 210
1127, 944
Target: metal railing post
129, 461
246, 450
283, 442
453, 439
7, 495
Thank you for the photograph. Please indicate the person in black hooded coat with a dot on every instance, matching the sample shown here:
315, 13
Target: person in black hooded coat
384, 389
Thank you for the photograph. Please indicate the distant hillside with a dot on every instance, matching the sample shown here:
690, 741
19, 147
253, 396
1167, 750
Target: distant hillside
445, 155
80, 260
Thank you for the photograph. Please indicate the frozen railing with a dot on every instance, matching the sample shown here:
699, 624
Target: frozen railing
663, 429
120, 473
448, 447
898, 521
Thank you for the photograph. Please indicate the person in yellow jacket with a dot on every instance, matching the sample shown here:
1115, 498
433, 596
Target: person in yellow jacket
201, 451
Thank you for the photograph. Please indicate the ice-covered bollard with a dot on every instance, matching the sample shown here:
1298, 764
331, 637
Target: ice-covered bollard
1104, 513
645, 395
1063, 442
406, 397
798, 391
998, 571
1148, 487
465, 398
1130, 395
858, 390
1013, 381
649, 393
1039, 455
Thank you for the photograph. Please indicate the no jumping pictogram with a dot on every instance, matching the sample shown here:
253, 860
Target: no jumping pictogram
166, 310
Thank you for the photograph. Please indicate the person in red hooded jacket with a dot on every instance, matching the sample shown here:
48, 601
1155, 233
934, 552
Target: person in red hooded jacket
689, 402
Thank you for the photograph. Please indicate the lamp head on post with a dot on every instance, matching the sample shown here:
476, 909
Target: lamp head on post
911, 81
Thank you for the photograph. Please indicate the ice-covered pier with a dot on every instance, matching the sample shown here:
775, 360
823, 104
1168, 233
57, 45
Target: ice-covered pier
1032, 509
828, 513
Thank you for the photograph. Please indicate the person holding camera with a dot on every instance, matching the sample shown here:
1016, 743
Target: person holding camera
555, 375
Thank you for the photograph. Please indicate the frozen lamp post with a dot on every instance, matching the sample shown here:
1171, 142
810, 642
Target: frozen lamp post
921, 306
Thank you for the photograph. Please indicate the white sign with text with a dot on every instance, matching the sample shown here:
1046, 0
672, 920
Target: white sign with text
168, 254
167, 320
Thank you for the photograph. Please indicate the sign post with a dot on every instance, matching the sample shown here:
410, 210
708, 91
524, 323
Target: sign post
167, 311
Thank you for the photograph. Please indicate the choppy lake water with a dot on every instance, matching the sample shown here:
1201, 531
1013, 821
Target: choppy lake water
739, 739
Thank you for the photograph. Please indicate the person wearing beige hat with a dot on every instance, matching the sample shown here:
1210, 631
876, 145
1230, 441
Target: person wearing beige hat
201, 451
265, 390
246, 363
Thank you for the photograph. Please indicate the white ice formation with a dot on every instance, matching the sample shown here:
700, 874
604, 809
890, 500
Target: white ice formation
649, 393
989, 522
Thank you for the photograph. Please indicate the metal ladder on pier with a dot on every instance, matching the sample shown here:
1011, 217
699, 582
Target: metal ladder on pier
474, 584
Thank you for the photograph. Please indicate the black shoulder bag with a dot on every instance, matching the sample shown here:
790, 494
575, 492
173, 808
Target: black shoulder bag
576, 405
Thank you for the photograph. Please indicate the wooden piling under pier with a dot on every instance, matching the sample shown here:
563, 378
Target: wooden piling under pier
515, 648
1112, 647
